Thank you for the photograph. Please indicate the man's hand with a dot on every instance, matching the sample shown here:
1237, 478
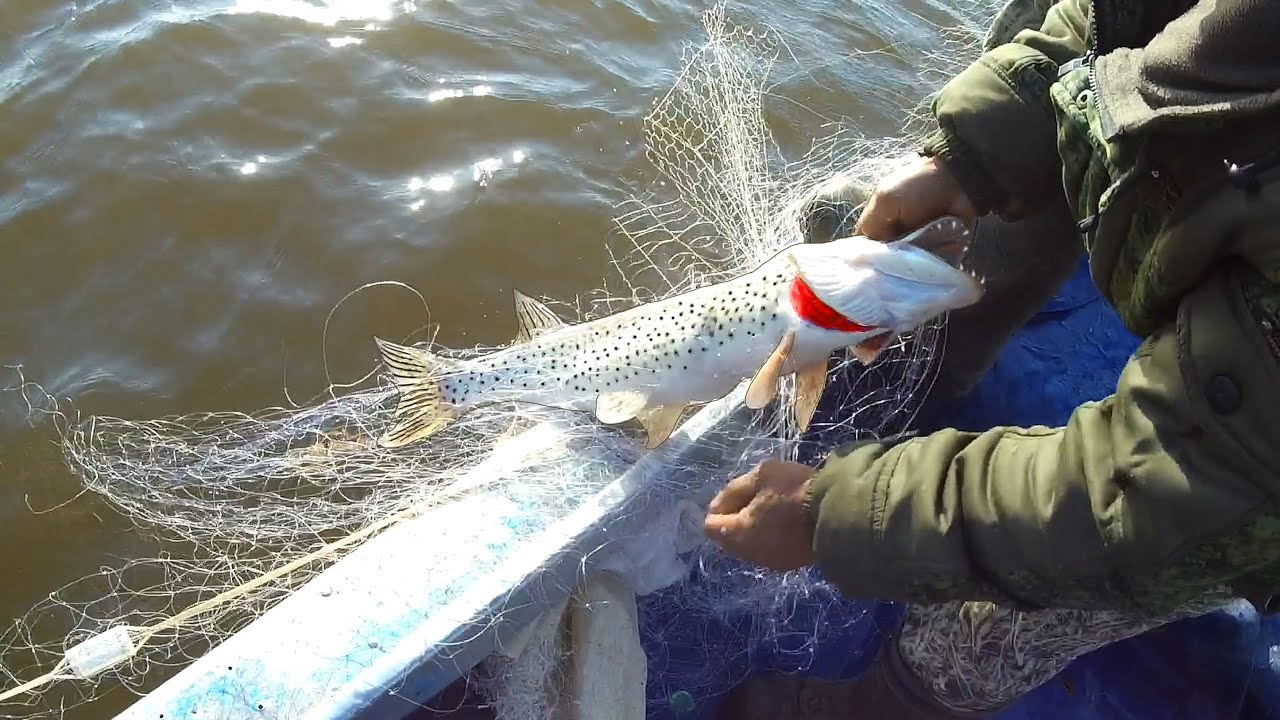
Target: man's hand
910, 197
760, 516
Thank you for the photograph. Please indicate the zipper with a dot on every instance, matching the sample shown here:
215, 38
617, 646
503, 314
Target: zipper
1107, 125
1093, 43
1105, 122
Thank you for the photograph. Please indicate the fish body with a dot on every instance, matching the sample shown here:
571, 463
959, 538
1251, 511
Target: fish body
651, 361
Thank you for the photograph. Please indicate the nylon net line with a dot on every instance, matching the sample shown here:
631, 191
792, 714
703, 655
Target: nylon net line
242, 509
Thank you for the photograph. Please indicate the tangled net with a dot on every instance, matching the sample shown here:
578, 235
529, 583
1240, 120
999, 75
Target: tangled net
246, 508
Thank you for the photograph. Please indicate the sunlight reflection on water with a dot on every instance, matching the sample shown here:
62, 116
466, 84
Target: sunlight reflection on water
328, 13
481, 172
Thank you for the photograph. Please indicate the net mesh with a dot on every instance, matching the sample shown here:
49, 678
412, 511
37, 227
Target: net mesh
241, 509
727, 198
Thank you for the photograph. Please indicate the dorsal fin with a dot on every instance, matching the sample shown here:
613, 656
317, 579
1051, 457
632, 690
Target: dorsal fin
534, 318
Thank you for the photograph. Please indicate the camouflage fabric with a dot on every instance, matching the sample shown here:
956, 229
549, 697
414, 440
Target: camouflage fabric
1013, 18
1021, 549
1263, 297
1124, 194
1126, 187
1145, 499
1026, 122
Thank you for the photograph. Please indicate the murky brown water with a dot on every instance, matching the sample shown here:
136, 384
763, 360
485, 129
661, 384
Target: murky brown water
187, 189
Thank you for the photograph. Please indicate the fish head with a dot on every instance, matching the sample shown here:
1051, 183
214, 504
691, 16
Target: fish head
920, 277
900, 285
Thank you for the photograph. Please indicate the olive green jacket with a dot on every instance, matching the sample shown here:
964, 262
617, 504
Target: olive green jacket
1166, 490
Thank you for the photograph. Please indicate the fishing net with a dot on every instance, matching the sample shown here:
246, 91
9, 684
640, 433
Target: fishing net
239, 510
737, 199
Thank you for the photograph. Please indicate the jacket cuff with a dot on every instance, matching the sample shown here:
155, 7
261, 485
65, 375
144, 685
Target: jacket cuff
843, 514
984, 193
826, 475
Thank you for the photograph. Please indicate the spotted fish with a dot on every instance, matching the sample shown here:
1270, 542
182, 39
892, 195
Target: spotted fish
649, 362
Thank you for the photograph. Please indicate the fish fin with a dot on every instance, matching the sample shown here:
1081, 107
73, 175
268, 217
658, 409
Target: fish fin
868, 350
534, 318
421, 411
620, 406
810, 382
659, 422
764, 386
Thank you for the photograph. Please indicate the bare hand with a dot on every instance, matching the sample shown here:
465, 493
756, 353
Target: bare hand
908, 198
760, 516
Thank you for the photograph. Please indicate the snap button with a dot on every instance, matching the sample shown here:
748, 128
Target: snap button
1083, 98
1223, 394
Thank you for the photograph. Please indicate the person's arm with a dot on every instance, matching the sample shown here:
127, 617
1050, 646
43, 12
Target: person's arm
1151, 497
996, 126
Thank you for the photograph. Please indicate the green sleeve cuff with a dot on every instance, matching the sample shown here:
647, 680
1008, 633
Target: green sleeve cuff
851, 459
842, 513
984, 193
997, 132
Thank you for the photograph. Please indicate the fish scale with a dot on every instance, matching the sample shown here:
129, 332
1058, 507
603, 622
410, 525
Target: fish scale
650, 362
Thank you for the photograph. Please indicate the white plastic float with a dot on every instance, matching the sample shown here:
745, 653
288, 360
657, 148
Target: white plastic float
391, 625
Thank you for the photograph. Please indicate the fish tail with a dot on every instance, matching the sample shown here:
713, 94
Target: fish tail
422, 409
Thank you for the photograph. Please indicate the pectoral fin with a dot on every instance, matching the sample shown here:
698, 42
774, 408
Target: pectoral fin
764, 387
810, 382
659, 422
618, 407
534, 318
868, 350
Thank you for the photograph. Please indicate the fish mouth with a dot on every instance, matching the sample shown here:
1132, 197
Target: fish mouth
946, 238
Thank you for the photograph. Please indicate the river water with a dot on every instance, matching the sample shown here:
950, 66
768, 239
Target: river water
187, 190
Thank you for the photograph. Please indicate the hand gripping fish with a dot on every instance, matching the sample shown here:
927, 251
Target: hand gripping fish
649, 362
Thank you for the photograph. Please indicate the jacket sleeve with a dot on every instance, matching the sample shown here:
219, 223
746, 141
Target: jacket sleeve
996, 126
1142, 501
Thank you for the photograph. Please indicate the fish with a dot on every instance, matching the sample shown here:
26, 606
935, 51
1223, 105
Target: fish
650, 362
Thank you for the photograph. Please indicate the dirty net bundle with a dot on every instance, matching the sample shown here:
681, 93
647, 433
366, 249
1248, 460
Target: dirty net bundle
243, 509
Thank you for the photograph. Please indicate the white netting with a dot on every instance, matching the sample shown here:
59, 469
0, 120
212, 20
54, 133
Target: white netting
736, 199
242, 509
